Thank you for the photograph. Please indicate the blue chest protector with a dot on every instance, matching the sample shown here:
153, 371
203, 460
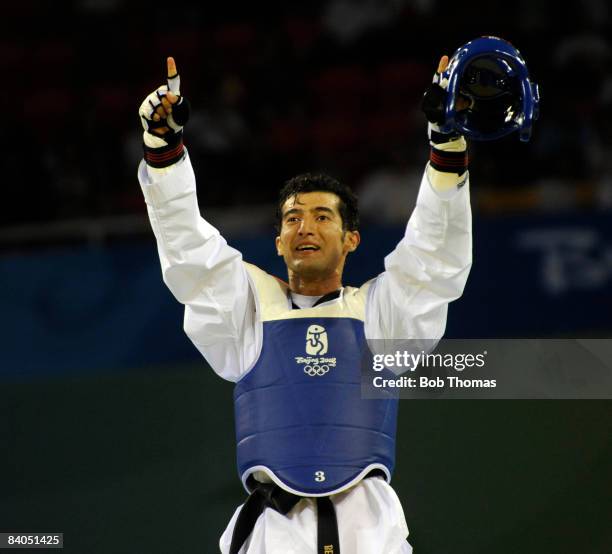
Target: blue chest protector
299, 413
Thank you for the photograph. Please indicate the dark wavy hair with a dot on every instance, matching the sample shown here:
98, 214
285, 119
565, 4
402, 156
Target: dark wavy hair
320, 182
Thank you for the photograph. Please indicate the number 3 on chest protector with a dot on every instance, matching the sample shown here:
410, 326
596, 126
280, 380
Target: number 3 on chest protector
319, 476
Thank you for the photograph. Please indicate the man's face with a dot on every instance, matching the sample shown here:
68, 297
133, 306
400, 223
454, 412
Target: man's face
312, 240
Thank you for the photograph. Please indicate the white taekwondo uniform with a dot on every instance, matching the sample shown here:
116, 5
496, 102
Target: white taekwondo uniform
427, 270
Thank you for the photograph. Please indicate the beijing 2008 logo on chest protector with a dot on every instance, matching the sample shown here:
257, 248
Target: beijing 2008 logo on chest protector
316, 346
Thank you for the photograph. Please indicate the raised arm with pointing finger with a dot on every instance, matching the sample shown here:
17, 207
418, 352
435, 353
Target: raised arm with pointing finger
163, 114
316, 458
198, 266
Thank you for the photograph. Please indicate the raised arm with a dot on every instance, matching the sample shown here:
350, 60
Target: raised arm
202, 271
429, 267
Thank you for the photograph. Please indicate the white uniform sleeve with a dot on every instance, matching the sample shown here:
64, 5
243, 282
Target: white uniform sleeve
201, 271
428, 268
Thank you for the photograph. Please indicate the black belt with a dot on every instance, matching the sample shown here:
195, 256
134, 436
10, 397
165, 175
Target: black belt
270, 495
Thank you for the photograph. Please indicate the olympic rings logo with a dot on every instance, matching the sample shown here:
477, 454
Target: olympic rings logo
316, 370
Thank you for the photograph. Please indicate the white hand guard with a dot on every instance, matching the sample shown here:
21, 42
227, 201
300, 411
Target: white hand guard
147, 110
163, 149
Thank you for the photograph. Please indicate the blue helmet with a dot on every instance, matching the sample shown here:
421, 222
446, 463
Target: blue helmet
493, 76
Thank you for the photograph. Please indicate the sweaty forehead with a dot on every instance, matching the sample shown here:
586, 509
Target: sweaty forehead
312, 200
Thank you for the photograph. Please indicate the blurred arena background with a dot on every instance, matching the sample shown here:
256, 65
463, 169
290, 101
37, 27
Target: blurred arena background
114, 431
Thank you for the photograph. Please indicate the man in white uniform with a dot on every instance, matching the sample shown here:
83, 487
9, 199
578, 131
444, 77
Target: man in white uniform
319, 479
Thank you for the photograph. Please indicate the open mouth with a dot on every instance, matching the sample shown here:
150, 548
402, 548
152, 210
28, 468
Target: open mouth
307, 248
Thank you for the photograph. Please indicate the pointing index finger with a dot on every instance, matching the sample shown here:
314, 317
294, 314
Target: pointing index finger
172, 72
174, 81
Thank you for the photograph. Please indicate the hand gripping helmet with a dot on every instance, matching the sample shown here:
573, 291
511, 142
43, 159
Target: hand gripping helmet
493, 76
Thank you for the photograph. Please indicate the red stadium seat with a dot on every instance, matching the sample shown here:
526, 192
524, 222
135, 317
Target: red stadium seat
340, 89
46, 111
111, 108
391, 125
401, 81
335, 134
302, 32
287, 135
235, 44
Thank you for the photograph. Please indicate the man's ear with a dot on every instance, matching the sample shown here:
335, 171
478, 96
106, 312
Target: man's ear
279, 246
352, 240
